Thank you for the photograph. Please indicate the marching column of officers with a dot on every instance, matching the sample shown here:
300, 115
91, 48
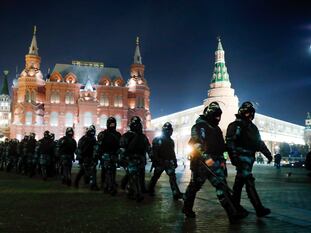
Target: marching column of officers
48, 158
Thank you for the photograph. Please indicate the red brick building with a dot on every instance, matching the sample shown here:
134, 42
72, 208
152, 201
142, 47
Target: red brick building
77, 95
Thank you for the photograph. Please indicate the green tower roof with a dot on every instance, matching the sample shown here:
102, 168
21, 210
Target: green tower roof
5, 85
220, 73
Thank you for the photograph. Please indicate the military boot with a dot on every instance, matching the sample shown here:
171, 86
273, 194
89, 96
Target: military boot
261, 211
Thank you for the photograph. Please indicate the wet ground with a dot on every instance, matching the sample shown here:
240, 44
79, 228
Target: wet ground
32, 205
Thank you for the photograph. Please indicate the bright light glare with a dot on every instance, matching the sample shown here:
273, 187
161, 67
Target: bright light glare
188, 149
158, 134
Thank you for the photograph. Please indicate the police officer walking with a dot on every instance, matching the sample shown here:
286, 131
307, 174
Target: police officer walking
243, 140
134, 146
163, 158
207, 162
85, 155
45, 153
108, 146
65, 149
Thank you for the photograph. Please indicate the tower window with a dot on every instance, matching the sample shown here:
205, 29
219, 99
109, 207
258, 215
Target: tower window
28, 118
140, 102
28, 97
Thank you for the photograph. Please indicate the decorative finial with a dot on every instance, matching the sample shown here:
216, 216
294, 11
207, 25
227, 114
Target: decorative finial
34, 30
49, 70
218, 38
308, 115
137, 40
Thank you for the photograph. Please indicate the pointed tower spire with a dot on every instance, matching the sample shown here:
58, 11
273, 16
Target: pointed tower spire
33, 49
137, 56
5, 85
220, 73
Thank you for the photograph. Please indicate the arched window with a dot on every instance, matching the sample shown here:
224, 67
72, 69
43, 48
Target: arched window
118, 101
28, 118
88, 119
140, 102
54, 119
28, 97
55, 97
33, 96
69, 99
119, 121
69, 119
103, 121
104, 100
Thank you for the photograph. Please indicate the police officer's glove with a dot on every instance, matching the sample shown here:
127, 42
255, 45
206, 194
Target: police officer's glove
269, 157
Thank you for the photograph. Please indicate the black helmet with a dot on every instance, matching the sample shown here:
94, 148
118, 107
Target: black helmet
91, 130
46, 134
32, 135
167, 129
247, 108
136, 125
69, 132
111, 120
213, 113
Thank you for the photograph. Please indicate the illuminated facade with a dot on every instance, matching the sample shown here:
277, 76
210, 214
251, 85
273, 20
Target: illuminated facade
77, 95
273, 131
5, 107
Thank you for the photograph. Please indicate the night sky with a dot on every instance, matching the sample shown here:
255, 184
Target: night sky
267, 45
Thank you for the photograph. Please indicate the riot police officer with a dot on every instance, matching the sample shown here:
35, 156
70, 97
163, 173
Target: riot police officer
29, 150
163, 158
12, 154
45, 153
207, 162
107, 147
134, 145
65, 149
85, 154
243, 140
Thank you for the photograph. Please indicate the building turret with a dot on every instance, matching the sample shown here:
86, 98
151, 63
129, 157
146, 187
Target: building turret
29, 92
220, 89
5, 106
139, 93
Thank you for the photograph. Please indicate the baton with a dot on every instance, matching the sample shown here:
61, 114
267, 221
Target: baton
213, 174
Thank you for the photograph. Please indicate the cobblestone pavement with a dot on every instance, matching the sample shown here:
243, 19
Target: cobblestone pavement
51, 207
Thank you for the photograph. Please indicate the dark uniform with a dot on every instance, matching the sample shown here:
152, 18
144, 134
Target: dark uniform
30, 153
108, 146
207, 162
134, 146
163, 158
45, 153
22, 156
3, 154
85, 155
65, 149
243, 140
12, 154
